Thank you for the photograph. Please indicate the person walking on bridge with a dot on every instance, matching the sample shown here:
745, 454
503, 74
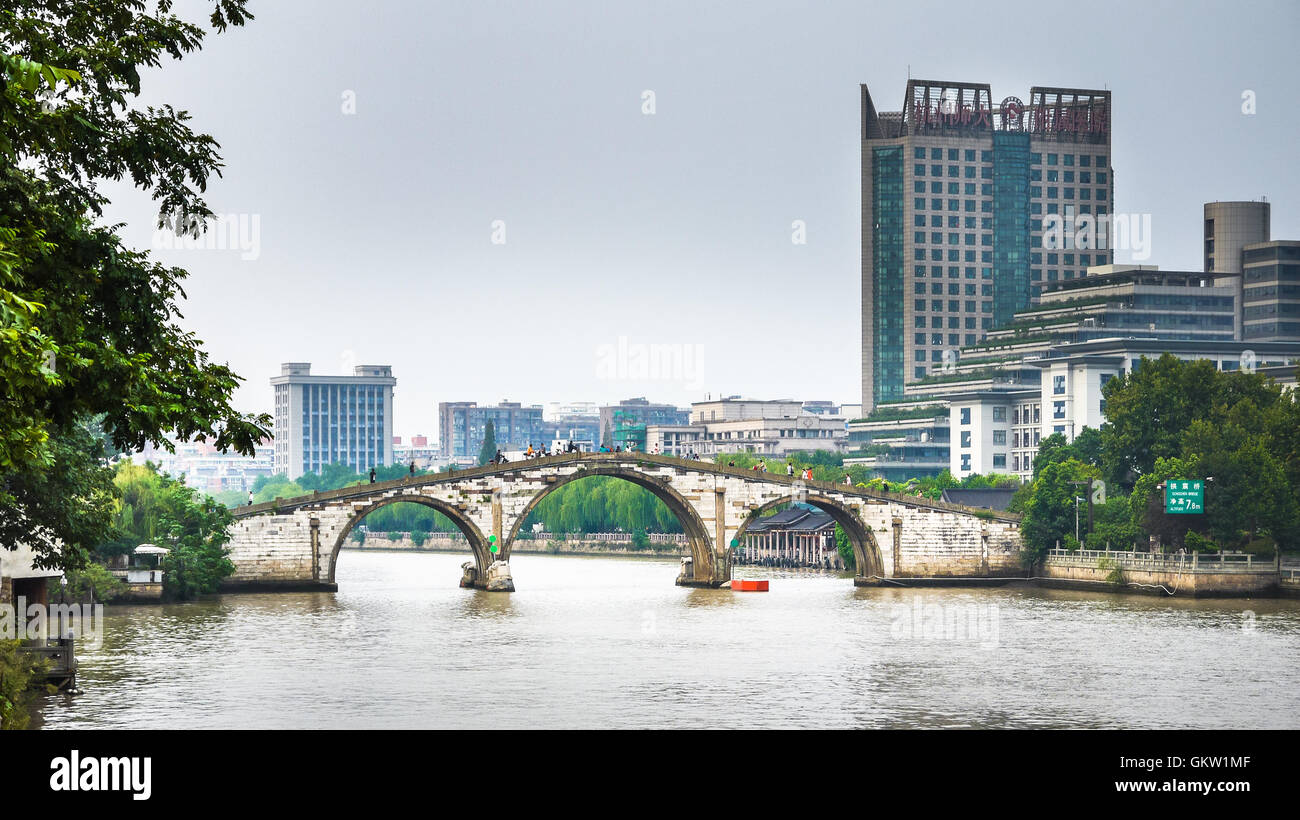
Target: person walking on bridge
372, 475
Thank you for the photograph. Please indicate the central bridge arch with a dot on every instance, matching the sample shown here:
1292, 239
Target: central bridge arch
478, 542
697, 534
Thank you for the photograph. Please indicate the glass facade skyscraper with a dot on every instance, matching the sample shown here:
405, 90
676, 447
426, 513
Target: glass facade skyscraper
956, 192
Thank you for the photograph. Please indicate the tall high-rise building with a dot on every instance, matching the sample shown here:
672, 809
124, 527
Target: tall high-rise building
321, 420
955, 194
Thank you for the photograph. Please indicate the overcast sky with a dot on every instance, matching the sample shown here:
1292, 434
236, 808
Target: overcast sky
376, 227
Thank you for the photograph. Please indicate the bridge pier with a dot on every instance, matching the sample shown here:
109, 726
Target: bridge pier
496, 579
720, 573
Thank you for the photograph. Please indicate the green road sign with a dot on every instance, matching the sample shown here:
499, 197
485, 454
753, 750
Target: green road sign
1184, 496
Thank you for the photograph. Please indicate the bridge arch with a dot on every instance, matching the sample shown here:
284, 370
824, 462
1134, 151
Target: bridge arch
866, 551
477, 540
697, 534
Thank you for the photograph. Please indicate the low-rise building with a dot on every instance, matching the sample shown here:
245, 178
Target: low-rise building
462, 427
626, 424
201, 466
796, 537
418, 450
21, 578
901, 440
763, 427
998, 431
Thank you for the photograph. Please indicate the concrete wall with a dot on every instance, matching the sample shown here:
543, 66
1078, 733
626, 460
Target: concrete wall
20, 564
1198, 584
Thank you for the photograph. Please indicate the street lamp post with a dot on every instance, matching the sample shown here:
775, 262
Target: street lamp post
1088, 484
1077, 499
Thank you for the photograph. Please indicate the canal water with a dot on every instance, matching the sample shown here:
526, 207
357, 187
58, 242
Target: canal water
611, 642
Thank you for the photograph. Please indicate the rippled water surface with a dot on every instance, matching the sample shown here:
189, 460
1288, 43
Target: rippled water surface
611, 642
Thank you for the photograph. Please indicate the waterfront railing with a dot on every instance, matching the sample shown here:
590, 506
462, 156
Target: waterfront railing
1165, 561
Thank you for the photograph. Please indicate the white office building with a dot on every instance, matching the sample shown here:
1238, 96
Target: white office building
998, 431
321, 420
763, 427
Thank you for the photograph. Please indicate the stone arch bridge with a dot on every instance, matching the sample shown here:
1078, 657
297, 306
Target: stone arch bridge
294, 543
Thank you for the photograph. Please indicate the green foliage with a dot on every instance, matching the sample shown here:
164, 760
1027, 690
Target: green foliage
410, 517
231, 498
640, 539
1195, 542
64, 507
88, 327
1116, 570
331, 477
899, 413
1113, 527
94, 583
1054, 449
158, 509
418, 538
19, 685
1149, 410
602, 504
276, 486
1250, 494
488, 451
845, 548
1171, 419
1147, 501
1049, 512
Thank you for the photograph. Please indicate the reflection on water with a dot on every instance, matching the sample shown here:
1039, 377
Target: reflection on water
610, 642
